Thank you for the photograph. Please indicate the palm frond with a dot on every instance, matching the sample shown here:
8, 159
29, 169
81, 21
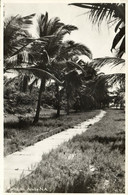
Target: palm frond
70, 28
118, 25
29, 17
76, 65
15, 34
63, 30
115, 78
111, 61
53, 25
121, 48
25, 50
118, 37
107, 11
70, 49
39, 73
101, 11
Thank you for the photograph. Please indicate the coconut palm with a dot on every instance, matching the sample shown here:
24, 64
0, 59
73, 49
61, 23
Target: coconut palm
37, 55
15, 39
111, 62
113, 13
15, 34
119, 97
66, 67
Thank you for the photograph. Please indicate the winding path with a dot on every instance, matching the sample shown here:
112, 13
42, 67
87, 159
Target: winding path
23, 162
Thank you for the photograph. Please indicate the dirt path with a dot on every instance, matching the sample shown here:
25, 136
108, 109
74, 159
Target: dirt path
25, 161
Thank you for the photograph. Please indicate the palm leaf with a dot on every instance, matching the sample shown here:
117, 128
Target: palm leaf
118, 25
29, 17
70, 28
39, 73
122, 48
15, 34
100, 11
115, 78
76, 65
53, 25
108, 11
112, 61
70, 49
118, 37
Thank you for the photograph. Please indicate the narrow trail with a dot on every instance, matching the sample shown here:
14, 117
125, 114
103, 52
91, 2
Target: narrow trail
25, 161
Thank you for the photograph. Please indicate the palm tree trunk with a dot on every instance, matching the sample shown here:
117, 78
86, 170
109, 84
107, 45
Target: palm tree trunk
68, 103
68, 95
42, 89
24, 83
58, 100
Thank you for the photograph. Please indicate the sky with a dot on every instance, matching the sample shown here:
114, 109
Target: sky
99, 41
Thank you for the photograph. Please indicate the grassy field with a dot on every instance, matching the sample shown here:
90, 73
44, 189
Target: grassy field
93, 162
19, 134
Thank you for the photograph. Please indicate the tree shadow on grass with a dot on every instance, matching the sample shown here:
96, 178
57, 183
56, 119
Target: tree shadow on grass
21, 124
81, 184
116, 142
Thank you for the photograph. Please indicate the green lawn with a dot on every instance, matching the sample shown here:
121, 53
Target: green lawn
18, 135
93, 162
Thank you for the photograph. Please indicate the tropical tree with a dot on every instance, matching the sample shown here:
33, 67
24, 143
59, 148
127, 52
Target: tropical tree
15, 40
113, 13
119, 97
112, 62
94, 89
40, 52
67, 62
15, 34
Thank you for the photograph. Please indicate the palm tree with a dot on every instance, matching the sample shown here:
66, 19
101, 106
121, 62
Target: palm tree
119, 97
15, 39
65, 66
113, 78
40, 51
113, 13
15, 34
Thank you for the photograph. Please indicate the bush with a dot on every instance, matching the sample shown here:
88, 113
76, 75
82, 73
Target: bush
24, 99
24, 121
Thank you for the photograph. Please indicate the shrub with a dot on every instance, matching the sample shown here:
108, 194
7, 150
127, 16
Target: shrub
24, 121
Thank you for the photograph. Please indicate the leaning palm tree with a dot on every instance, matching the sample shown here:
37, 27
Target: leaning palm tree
112, 13
38, 54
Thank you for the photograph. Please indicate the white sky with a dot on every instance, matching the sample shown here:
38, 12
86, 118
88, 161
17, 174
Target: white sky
99, 41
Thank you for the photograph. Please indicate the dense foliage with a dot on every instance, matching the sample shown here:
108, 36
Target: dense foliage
47, 58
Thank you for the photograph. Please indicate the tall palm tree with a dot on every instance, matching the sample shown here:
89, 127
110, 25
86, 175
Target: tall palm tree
113, 13
38, 54
65, 67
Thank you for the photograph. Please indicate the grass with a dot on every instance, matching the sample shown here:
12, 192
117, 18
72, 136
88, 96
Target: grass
21, 133
89, 163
